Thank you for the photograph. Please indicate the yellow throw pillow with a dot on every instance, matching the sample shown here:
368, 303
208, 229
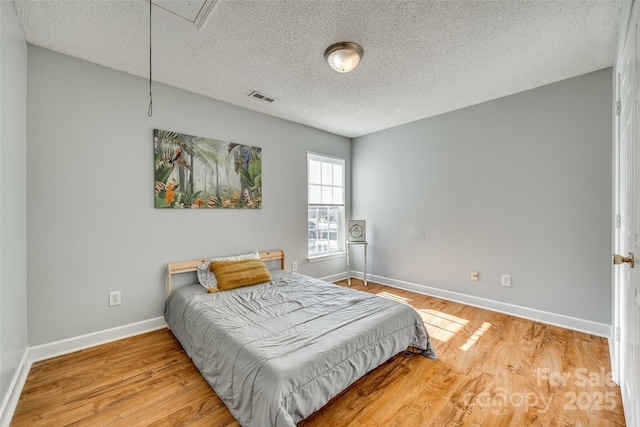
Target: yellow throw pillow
234, 274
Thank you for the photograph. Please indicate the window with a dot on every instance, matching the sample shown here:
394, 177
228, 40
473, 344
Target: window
325, 178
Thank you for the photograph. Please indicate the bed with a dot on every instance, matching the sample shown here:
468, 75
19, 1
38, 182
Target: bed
276, 352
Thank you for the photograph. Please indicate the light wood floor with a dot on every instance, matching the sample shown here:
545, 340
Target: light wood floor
493, 370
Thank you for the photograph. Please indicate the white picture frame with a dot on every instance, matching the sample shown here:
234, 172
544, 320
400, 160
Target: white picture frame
356, 230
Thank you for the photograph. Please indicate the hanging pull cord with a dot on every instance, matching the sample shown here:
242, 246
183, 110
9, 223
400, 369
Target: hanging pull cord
150, 112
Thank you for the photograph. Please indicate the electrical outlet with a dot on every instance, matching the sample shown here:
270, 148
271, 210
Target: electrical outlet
294, 266
474, 276
114, 298
506, 280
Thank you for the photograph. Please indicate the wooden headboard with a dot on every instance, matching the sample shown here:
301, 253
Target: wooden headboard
189, 266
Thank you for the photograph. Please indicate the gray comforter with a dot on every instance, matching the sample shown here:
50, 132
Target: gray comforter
278, 351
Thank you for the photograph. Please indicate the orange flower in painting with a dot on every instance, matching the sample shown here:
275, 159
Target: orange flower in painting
235, 194
169, 196
199, 202
226, 203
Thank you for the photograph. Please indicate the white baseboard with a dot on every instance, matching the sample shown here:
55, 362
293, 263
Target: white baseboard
15, 389
58, 348
568, 322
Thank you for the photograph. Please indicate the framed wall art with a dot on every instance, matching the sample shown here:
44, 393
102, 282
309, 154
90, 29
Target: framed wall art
193, 172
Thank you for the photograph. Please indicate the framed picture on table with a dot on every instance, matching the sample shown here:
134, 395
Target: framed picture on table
356, 230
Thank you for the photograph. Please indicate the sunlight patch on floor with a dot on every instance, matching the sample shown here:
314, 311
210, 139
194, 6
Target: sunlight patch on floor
394, 297
441, 326
476, 336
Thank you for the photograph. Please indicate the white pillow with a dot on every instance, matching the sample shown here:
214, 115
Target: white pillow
208, 279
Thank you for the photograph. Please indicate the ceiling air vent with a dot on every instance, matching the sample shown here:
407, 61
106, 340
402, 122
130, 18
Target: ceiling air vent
262, 96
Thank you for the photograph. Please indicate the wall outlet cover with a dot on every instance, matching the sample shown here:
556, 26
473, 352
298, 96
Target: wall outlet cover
114, 298
506, 280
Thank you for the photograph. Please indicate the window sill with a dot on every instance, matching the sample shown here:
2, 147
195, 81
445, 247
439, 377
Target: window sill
332, 255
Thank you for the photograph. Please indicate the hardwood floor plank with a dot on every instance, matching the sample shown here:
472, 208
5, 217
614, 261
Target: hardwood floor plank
492, 370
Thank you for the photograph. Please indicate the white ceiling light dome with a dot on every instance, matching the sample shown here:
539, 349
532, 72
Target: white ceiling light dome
344, 56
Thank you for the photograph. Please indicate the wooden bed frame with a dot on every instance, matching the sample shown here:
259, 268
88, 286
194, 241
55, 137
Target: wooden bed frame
189, 266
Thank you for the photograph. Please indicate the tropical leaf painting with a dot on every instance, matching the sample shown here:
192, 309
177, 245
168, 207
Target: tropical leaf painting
202, 173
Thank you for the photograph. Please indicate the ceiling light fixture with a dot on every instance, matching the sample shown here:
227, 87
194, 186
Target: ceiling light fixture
344, 56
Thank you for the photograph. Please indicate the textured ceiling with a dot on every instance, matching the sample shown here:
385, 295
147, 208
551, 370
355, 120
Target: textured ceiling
422, 58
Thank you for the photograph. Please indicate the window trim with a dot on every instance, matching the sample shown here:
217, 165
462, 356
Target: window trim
326, 257
341, 220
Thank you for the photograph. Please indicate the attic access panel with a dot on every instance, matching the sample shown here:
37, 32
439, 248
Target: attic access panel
194, 11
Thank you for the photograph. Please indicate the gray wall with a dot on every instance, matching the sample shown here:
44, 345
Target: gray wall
92, 224
13, 199
521, 185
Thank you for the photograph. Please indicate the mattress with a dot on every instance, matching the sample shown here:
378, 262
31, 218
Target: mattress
278, 351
